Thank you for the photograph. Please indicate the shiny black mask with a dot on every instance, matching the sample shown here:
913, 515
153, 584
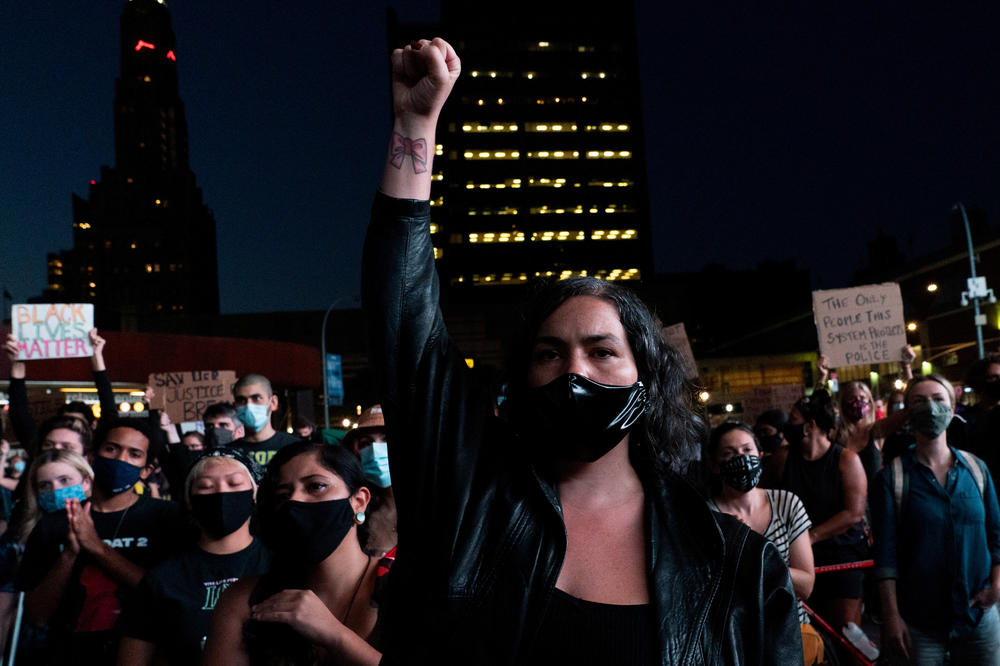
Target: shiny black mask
574, 418
221, 514
307, 532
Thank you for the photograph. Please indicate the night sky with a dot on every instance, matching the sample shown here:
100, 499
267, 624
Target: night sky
770, 135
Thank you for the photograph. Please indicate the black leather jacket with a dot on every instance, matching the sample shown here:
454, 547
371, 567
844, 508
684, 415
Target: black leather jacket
481, 536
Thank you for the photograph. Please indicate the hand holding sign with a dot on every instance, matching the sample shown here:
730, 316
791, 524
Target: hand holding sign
52, 330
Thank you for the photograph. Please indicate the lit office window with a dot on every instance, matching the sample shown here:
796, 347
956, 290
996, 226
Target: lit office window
438, 253
510, 183
491, 155
437, 202
608, 154
610, 183
505, 210
489, 127
550, 127
553, 154
497, 237
547, 182
612, 234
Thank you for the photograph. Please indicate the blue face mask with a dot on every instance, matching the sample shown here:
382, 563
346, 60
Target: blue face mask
253, 417
19, 466
375, 464
55, 500
115, 476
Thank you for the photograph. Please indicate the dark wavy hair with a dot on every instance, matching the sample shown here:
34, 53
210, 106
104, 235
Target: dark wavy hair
818, 407
670, 434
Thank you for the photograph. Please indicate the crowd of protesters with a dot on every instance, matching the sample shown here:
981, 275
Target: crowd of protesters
555, 520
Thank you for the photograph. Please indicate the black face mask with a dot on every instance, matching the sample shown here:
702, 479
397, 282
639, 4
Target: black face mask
216, 437
221, 514
307, 532
769, 443
741, 473
795, 433
992, 389
574, 418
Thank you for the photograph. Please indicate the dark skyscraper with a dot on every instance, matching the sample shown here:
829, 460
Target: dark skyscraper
143, 242
540, 168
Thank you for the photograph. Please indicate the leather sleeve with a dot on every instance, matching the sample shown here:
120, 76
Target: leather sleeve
781, 635
434, 415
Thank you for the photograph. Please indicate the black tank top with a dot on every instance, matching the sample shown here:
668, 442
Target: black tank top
820, 487
871, 458
575, 631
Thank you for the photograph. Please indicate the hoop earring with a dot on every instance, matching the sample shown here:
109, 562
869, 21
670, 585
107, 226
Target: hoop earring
360, 517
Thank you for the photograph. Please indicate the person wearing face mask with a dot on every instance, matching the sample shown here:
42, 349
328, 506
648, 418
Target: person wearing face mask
79, 563
830, 481
982, 420
367, 442
166, 619
937, 541
860, 431
255, 402
318, 601
559, 533
734, 466
768, 429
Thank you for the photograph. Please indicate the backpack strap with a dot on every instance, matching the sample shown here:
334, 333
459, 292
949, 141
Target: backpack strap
975, 469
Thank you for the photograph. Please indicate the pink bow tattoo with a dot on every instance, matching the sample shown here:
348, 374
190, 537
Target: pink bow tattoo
401, 147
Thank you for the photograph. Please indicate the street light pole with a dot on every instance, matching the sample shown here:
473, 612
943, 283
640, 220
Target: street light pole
977, 285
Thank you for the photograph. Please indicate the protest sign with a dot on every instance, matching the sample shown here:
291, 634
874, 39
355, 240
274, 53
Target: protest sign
860, 325
676, 337
52, 330
763, 398
185, 395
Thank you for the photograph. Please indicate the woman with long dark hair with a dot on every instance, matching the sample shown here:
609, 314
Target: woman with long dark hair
559, 535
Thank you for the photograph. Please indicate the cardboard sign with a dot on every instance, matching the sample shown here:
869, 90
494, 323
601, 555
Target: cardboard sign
676, 336
52, 330
860, 325
763, 398
185, 395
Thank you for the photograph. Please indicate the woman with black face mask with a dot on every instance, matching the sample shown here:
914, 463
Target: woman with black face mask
734, 466
317, 602
560, 534
166, 619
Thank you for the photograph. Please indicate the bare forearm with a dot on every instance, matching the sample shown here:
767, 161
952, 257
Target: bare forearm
802, 582
887, 593
837, 525
349, 648
116, 566
409, 158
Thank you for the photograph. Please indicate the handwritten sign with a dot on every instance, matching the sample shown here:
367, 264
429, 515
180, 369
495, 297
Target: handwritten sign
186, 395
763, 398
676, 336
860, 325
52, 330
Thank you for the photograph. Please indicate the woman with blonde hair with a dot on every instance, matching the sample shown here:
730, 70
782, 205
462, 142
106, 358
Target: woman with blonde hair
937, 541
55, 476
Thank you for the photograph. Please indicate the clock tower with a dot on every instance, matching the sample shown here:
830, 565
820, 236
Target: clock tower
144, 242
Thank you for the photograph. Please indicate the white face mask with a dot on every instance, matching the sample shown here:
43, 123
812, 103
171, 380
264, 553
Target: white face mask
375, 464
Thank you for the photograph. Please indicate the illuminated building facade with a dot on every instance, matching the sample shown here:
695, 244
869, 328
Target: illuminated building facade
144, 243
539, 167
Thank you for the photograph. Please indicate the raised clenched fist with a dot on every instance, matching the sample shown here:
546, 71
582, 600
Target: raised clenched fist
423, 73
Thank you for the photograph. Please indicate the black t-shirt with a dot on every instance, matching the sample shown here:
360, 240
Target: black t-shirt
145, 533
172, 607
262, 452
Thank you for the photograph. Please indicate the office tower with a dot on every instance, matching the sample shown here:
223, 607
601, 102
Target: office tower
144, 242
539, 168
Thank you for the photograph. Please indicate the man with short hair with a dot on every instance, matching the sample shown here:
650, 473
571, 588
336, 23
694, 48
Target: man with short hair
222, 426
255, 402
79, 562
